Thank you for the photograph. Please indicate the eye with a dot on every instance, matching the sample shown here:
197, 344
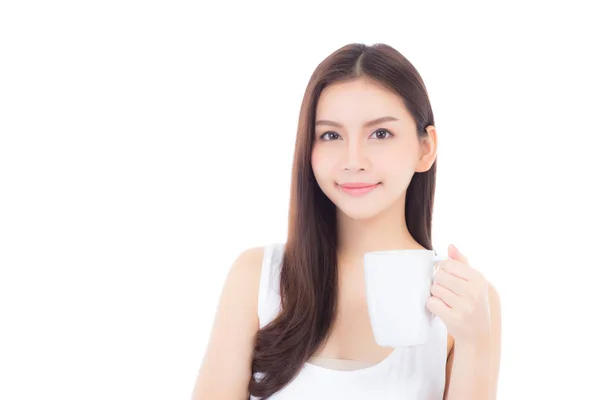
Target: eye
329, 136
381, 134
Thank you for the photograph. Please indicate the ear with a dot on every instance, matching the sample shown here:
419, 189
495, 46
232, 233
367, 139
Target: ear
428, 150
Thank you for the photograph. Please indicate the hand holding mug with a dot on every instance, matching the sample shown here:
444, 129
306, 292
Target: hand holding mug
459, 296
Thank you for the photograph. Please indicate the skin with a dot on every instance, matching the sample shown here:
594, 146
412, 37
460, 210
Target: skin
389, 153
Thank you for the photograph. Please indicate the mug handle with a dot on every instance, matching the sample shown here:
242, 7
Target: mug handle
437, 259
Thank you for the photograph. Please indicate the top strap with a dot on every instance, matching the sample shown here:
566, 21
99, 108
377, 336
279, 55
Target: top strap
269, 300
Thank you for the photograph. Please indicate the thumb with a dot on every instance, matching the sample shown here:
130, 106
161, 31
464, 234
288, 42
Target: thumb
455, 254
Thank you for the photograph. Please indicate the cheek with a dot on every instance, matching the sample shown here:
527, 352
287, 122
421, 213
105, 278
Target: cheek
397, 166
392, 160
321, 163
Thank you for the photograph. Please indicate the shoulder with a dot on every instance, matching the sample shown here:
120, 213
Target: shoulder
242, 280
249, 259
246, 268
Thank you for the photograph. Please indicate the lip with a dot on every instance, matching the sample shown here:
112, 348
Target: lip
358, 188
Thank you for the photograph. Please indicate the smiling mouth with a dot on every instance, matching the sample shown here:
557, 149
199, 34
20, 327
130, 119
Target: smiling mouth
358, 189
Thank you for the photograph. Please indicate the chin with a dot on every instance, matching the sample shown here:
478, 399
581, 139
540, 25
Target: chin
365, 209
360, 213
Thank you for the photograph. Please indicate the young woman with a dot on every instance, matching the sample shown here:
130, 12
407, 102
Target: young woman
292, 321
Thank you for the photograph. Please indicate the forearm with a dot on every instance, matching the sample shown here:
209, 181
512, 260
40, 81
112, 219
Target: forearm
471, 372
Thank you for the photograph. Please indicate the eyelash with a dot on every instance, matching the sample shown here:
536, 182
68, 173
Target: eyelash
322, 137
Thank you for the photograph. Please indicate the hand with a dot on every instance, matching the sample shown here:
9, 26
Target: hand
460, 299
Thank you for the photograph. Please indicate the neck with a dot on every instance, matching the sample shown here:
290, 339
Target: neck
386, 231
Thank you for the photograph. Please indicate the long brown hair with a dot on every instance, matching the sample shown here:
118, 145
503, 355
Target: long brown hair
308, 282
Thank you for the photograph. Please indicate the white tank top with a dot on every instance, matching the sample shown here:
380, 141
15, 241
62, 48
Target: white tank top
410, 373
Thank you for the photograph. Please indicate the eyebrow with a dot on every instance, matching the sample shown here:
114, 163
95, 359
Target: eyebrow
369, 123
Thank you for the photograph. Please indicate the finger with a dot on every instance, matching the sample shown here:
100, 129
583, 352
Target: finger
457, 268
450, 298
457, 255
451, 282
439, 308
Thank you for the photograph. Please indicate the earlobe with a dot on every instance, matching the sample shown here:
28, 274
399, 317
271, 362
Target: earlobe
425, 163
429, 150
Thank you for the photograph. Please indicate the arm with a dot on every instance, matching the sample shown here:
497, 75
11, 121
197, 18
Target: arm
472, 369
226, 368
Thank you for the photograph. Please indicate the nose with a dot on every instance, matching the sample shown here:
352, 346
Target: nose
355, 157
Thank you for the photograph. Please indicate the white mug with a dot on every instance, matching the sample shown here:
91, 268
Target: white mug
398, 284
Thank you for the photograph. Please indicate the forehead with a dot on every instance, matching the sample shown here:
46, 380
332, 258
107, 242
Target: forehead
359, 100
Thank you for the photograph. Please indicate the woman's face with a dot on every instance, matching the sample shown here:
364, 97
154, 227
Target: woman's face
365, 135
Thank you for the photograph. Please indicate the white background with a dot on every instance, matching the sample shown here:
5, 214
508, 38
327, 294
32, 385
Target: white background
145, 144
